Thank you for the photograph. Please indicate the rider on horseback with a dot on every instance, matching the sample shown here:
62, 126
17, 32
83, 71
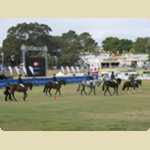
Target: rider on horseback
113, 77
55, 79
20, 81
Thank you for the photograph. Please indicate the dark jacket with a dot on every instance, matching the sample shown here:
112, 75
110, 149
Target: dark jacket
20, 81
54, 79
112, 76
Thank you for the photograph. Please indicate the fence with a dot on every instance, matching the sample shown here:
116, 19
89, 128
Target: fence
41, 81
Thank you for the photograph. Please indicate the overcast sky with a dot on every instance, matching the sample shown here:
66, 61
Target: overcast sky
98, 28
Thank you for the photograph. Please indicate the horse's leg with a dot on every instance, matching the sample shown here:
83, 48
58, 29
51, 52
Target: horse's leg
128, 91
49, 91
25, 96
59, 92
117, 92
85, 92
13, 94
90, 91
82, 91
114, 91
10, 97
46, 89
109, 91
6, 95
94, 90
105, 91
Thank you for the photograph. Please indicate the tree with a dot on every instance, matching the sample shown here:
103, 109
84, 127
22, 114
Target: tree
111, 44
140, 45
114, 44
70, 48
124, 45
29, 34
72, 44
88, 44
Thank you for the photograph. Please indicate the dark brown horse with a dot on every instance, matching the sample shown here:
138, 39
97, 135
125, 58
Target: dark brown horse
22, 89
111, 84
131, 84
53, 85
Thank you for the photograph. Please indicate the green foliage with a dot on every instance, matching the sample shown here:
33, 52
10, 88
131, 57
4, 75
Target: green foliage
67, 47
71, 45
87, 43
111, 44
114, 44
140, 45
30, 34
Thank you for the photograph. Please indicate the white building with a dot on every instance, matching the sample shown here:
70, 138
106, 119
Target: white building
106, 60
129, 59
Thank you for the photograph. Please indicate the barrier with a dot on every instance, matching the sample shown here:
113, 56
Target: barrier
41, 81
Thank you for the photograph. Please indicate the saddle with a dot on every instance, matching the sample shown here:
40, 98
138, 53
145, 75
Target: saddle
114, 81
21, 85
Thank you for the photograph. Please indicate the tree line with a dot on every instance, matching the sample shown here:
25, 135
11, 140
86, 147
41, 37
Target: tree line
67, 48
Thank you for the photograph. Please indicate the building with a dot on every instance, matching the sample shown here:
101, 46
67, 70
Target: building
106, 60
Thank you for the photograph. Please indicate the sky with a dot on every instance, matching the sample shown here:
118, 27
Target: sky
99, 28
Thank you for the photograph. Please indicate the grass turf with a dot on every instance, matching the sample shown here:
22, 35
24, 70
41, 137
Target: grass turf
72, 112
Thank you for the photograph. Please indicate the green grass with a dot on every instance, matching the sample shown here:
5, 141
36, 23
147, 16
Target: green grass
72, 112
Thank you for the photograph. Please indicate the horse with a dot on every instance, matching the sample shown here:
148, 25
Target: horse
111, 84
53, 85
132, 84
87, 84
22, 89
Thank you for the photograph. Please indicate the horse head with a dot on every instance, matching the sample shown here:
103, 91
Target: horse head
29, 85
62, 82
118, 81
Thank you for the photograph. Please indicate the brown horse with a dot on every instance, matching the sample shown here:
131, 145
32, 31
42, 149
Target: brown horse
111, 84
132, 84
22, 89
53, 85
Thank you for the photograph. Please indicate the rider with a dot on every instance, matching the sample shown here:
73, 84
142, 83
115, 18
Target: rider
20, 81
112, 76
54, 78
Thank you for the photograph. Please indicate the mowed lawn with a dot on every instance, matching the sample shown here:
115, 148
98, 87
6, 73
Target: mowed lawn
72, 112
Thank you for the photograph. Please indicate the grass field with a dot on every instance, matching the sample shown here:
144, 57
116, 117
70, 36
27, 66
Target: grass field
72, 112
